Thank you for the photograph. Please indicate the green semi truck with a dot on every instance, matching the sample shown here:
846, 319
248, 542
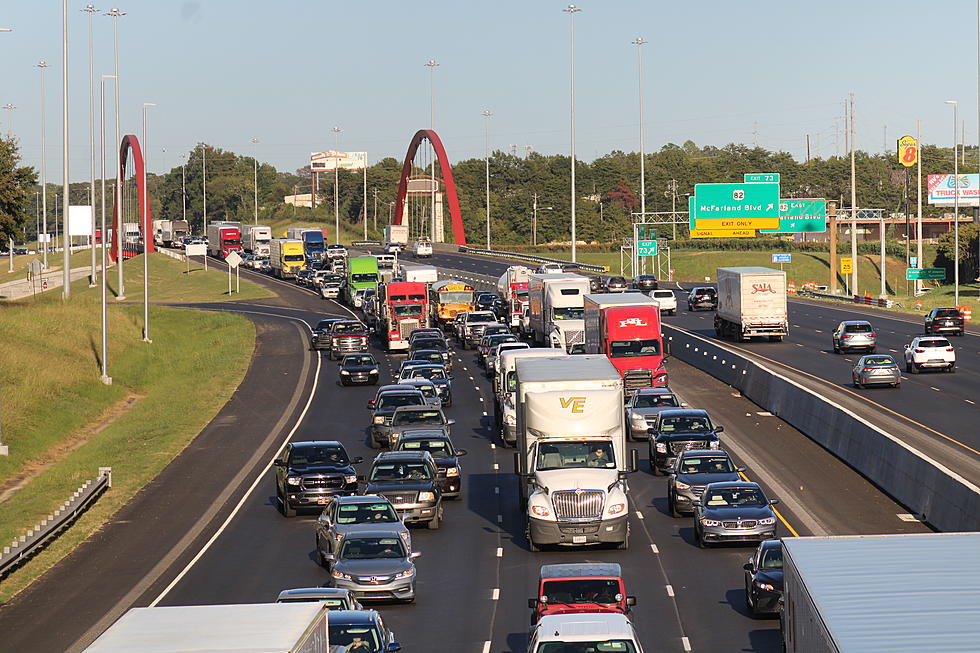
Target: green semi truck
362, 272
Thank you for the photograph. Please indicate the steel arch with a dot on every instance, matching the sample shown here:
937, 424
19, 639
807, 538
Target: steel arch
447, 176
131, 144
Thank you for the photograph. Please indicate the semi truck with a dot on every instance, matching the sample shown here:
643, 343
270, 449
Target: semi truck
402, 307
419, 273
256, 238
751, 303
174, 232
286, 257
856, 593
505, 389
242, 628
396, 233
626, 328
131, 232
571, 456
512, 288
156, 226
556, 309
362, 272
223, 239
313, 244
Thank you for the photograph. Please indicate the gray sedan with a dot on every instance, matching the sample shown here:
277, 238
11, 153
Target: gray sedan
642, 409
733, 511
374, 565
352, 514
876, 369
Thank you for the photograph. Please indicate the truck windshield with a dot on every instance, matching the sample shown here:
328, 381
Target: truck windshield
455, 298
389, 400
655, 401
575, 455
404, 310
684, 425
631, 348
568, 313
293, 258
366, 277
232, 241
432, 417
607, 646
316, 455
581, 590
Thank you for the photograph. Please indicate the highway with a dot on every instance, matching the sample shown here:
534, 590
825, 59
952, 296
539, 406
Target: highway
184, 542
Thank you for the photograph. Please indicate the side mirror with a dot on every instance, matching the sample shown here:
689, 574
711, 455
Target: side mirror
684, 404
279, 463
740, 469
415, 554
517, 462
393, 647
460, 452
532, 603
370, 403
748, 566
356, 460
450, 421
773, 501
631, 600
696, 502
719, 429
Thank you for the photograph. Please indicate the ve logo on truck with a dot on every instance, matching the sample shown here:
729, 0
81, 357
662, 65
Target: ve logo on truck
633, 321
577, 404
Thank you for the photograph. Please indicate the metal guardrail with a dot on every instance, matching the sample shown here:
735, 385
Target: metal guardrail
850, 299
25, 546
171, 253
533, 258
366, 243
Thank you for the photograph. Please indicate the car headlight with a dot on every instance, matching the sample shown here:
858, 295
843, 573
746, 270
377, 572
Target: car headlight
715, 444
339, 575
379, 419
510, 420
764, 586
616, 508
540, 511
636, 417
294, 480
452, 471
373, 370
710, 522
338, 537
661, 447
768, 521
351, 478
427, 496
345, 372
681, 486
408, 573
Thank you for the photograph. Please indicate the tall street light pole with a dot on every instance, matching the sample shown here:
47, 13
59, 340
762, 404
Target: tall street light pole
66, 194
336, 186
255, 177
106, 379
183, 190
91, 10
42, 65
10, 119
571, 10
144, 205
639, 42
486, 114
854, 258
432, 65
115, 14
956, 209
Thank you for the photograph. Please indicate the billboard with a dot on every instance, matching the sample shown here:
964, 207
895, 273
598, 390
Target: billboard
943, 189
327, 161
79, 220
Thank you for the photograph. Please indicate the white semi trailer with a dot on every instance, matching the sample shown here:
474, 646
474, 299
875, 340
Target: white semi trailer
557, 309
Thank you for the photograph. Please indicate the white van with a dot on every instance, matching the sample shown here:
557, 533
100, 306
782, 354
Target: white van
612, 633
423, 249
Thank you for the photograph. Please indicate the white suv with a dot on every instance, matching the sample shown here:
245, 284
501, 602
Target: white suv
929, 351
423, 249
665, 300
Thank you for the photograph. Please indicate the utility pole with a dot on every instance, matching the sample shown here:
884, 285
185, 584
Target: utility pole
255, 178
571, 10
671, 192
147, 235
432, 65
336, 185
90, 10
115, 14
364, 194
836, 136
66, 194
42, 65
854, 259
956, 208
375, 209
832, 228
639, 42
918, 201
486, 152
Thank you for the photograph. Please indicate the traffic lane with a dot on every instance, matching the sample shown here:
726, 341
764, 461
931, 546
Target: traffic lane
103, 577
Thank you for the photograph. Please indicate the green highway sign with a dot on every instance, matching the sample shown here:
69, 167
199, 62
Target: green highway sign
925, 273
761, 178
646, 248
751, 206
801, 215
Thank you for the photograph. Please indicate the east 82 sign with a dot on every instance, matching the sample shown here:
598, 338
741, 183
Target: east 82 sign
908, 151
738, 194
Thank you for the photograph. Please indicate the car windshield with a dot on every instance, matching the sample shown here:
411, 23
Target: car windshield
380, 512
947, 312
430, 343
405, 310
317, 455
500, 338
684, 424
605, 646
438, 447
355, 638
857, 328
400, 472
772, 558
417, 417
585, 590
428, 390
323, 324
573, 455
434, 356
456, 297
480, 316
392, 400
429, 373
364, 277
633, 348
706, 465
347, 327
878, 361
568, 313
934, 342
734, 497
362, 360
655, 401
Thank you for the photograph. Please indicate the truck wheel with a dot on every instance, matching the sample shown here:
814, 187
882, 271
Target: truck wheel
625, 544
531, 546
777, 339
287, 510
672, 506
435, 522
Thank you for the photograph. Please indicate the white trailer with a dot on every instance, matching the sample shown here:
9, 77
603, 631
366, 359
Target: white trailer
751, 302
158, 227
557, 308
296, 233
505, 389
571, 451
174, 232
870, 593
396, 233
420, 273
256, 239
248, 628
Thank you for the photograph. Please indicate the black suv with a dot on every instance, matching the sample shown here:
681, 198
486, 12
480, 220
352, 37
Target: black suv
320, 337
645, 283
310, 473
443, 452
410, 481
702, 299
944, 320
677, 430
692, 472
364, 625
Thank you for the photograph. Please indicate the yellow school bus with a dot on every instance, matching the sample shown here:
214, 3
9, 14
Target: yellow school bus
449, 297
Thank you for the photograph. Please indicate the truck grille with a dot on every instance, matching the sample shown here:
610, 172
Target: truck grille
677, 447
322, 482
578, 504
739, 524
400, 498
634, 379
405, 328
574, 337
349, 343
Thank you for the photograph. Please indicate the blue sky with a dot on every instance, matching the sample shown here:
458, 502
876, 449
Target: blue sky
286, 72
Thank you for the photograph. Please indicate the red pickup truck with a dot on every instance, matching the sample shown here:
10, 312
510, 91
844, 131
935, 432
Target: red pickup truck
580, 587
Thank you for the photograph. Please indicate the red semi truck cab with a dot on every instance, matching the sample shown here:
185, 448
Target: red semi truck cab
405, 309
223, 240
580, 587
626, 328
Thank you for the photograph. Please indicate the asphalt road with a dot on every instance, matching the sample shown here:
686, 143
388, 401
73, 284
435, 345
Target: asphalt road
476, 573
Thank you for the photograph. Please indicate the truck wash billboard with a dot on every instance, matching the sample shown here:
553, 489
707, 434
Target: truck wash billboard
943, 189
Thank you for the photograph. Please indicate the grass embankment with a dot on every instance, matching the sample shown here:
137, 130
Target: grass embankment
62, 424
55, 259
171, 282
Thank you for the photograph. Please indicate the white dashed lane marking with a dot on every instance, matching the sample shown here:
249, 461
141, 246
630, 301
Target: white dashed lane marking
653, 547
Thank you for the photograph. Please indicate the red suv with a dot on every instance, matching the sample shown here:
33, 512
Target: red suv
580, 587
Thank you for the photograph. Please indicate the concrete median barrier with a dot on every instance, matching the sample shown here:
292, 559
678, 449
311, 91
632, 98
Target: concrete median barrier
938, 494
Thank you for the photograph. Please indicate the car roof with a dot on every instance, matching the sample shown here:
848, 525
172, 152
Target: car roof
408, 456
314, 592
683, 412
691, 453
416, 382
850, 322
655, 391
430, 366
426, 351
374, 532
567, 570
582, 627
317, 443
359, 498
353, 617
407, 409
423, 434
394, 387
721, 485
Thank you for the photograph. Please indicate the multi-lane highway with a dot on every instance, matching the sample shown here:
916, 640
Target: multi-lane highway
208, 530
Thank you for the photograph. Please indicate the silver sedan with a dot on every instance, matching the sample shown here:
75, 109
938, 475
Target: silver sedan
876, 369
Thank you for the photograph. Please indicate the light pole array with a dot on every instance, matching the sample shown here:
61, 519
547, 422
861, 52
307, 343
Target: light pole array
90, 10
432, 65
487, 114
106, 379
956, 208
571, 10
42, 65
639, 43
10, 119
115, 14
336, 185
255, 178
147, 235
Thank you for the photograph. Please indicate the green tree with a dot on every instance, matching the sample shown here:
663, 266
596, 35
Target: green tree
16, 191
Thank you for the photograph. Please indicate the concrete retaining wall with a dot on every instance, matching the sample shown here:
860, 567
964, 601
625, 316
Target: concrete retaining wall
946, 500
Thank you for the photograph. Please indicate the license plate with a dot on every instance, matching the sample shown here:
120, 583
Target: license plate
578, 539
323, 501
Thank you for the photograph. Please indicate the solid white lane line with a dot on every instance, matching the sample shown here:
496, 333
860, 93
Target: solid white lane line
493, 446
496, 466
484, 413
486, 646
935, 388
500, 519
969, 402
496, 490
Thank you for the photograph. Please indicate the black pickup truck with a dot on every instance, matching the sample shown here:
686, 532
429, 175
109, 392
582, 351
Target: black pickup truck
310, 473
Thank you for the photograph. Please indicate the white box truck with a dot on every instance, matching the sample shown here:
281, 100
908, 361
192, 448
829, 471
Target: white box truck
505, 388
420, 273
256, 239
895, 593
174, 232
244, 628
158, 227
557, 309
751, 303
396, 233
571, 455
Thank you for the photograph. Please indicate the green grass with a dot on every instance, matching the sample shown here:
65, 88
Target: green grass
52, 394
170, 282
55, 259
